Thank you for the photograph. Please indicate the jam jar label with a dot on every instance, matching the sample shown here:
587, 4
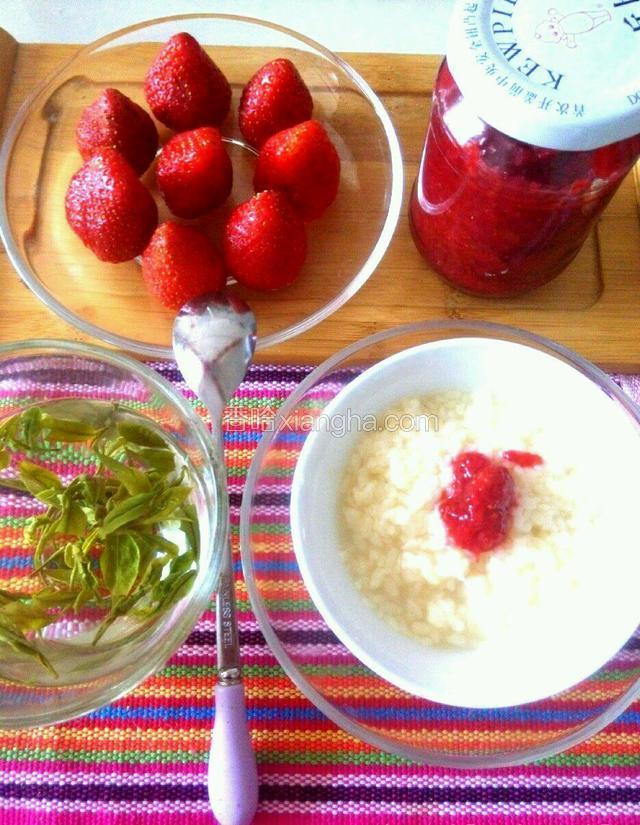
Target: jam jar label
564, 75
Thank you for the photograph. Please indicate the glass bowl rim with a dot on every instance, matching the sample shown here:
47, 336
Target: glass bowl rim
506, 758
217, 502
29, 277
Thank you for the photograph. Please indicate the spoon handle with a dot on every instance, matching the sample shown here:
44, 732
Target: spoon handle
233, 776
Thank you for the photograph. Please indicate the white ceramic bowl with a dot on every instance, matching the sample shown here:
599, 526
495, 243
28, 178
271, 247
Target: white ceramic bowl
529, 661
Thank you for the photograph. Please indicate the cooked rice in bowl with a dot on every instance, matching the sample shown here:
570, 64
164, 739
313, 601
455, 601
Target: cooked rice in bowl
395, 543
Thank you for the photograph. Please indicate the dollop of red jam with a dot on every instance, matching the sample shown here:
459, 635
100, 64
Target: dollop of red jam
496, 216
477, 508
522, 458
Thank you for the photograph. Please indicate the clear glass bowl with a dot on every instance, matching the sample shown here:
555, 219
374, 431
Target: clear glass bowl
353, 696
109, 301
35, 372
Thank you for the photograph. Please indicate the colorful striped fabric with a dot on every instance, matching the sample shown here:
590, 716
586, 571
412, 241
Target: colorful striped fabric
142, 760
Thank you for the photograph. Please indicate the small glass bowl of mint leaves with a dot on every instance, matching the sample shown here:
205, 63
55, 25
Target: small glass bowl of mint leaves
113, 516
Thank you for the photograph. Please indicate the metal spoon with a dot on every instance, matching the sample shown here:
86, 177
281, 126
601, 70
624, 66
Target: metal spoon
213, 342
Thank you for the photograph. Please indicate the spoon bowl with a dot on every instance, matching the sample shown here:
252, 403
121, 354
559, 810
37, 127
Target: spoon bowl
214, 339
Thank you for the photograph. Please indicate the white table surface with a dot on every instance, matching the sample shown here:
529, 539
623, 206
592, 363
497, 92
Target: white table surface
411, 26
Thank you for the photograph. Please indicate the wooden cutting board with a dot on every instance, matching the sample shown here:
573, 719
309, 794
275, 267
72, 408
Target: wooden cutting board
594, 307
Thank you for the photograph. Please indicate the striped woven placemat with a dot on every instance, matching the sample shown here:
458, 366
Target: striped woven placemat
142, 760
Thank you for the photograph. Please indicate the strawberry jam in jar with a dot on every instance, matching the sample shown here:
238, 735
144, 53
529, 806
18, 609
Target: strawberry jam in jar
535, 122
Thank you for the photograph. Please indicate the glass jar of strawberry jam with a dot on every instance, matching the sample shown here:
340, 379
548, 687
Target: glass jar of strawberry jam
535, 121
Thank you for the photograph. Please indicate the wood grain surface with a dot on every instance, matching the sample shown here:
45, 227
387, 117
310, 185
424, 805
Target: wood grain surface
594, 307
8, 49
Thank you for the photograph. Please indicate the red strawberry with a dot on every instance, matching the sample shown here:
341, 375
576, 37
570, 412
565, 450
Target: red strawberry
181, 263
274, 99
264, 242
184, 87
116, 121
194, 172
109, 209
303, 162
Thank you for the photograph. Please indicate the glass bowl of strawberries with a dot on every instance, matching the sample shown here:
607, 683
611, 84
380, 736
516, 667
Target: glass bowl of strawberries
191, 154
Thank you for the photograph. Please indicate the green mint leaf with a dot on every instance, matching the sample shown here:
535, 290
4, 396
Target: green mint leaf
166, 503
11, 636
140, 435
125, 512
39, 481
135, 481
161, 460
120, 564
